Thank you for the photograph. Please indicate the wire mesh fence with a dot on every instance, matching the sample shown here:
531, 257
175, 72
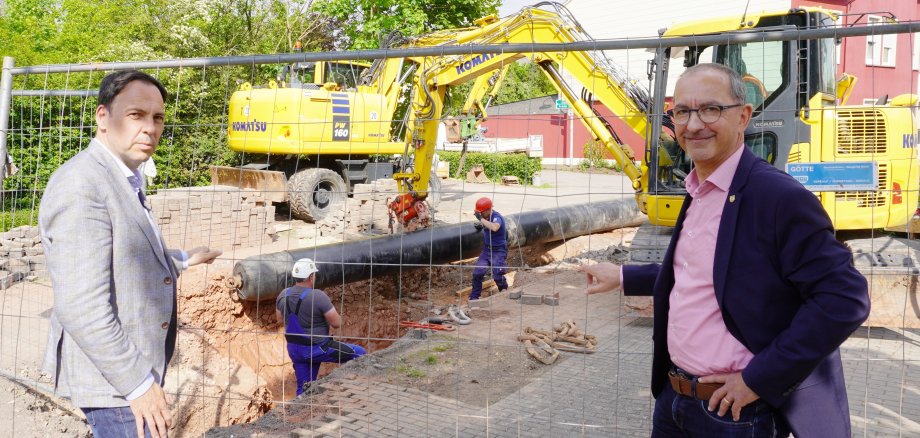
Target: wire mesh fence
323, 139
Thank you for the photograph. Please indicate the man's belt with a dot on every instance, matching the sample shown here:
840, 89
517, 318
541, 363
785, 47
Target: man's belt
689, 386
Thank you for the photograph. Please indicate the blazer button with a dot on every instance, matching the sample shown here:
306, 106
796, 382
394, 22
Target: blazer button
164, 325
167, 281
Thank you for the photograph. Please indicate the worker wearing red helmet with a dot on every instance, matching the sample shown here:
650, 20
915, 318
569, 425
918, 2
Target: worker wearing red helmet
494, 247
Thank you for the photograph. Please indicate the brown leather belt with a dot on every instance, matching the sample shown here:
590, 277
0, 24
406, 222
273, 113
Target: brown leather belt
688, 386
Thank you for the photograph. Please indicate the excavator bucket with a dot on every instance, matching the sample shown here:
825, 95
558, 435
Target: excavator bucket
272, 184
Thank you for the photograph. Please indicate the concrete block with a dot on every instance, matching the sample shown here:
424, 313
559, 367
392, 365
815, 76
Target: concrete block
6, 282
551, 300
34, 251
515, 294
19, 266
34, 258
531, 299
481, 303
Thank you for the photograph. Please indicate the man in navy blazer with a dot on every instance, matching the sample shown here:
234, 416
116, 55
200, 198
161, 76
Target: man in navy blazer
781, 285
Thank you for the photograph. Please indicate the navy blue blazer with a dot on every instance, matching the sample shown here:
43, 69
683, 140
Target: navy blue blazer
787, 289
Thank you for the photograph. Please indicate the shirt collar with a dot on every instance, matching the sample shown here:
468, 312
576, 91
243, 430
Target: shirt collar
125, 170
721, 177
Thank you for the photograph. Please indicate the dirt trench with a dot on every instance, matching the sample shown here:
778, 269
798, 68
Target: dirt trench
231, 366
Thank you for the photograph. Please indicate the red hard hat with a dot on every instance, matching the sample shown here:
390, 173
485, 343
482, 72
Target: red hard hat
483, 204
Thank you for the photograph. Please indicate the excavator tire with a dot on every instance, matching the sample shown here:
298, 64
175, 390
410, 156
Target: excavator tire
312, 193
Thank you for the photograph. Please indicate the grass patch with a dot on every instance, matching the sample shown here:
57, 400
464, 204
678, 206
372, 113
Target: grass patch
16, 218
410, 371
440, 348
431, 359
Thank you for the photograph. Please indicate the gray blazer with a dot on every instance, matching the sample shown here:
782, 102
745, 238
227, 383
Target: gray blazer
114, 318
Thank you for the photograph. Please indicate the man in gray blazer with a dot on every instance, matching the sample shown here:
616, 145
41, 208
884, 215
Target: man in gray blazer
113, 328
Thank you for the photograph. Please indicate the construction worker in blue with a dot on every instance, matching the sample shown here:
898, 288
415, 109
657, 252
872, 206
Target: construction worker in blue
494, 247
308, 314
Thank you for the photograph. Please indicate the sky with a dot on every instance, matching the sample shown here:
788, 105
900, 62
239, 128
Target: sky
511, 6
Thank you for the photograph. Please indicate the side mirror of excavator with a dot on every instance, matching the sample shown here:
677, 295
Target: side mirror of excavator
844, 87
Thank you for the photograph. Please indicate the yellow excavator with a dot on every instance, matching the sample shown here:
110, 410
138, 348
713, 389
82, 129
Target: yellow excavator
326, 131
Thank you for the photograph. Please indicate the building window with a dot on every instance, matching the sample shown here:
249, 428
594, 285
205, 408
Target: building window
880, 49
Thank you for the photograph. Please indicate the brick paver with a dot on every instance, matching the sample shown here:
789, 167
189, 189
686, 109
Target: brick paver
606, 394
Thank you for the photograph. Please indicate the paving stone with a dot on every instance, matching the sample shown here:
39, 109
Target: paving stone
531, 299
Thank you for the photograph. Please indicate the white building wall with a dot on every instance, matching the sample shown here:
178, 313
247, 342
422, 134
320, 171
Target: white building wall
609, 19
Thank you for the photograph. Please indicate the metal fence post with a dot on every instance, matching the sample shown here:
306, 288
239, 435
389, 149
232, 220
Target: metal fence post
6, 96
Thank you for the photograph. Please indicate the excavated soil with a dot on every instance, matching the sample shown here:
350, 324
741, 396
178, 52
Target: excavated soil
474, 368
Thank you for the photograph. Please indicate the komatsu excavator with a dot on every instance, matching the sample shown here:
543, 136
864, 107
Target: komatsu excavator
322, 133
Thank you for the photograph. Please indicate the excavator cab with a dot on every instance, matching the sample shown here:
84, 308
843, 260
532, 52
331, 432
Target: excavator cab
335, 75
799, 118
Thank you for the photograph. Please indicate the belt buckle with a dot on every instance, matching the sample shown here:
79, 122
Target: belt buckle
681, 375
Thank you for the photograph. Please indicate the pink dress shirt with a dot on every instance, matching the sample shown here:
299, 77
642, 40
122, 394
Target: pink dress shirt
698, 340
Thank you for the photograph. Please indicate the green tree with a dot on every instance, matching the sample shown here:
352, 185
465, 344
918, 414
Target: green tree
365, 22
524, 81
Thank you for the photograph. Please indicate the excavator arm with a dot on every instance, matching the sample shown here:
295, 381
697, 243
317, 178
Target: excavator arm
593, 71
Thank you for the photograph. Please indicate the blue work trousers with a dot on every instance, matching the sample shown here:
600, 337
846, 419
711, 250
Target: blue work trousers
494, 258
307, 359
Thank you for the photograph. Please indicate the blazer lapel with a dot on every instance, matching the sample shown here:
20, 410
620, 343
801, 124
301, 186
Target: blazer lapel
127, 198
726, 238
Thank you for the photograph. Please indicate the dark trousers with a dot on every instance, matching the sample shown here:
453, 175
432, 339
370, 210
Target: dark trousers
113, 422
679, 416
494, 258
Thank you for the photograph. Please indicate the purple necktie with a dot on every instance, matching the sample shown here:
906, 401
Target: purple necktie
140, 192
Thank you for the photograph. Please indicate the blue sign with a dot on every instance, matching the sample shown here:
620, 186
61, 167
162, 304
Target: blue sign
561, 104
835, 177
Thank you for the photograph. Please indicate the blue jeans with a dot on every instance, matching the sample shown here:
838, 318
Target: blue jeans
495, 259
679, 416
113, 422
307, 359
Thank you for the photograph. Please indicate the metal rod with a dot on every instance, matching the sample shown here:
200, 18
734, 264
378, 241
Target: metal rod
6, 88
56, 93
263, 277
619, 44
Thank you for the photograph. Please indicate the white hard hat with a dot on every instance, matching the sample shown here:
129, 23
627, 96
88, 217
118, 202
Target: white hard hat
304, 268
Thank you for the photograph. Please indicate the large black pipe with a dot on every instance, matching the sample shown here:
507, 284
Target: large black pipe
264, 276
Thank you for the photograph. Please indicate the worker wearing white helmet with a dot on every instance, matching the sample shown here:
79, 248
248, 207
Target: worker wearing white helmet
308, 315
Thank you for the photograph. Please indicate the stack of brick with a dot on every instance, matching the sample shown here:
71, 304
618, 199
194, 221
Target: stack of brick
21, 255
365, 212
214, 216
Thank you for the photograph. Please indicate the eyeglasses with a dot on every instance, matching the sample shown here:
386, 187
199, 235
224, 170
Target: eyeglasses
707, 113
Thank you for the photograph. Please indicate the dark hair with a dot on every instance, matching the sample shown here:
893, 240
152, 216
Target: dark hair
113, 83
